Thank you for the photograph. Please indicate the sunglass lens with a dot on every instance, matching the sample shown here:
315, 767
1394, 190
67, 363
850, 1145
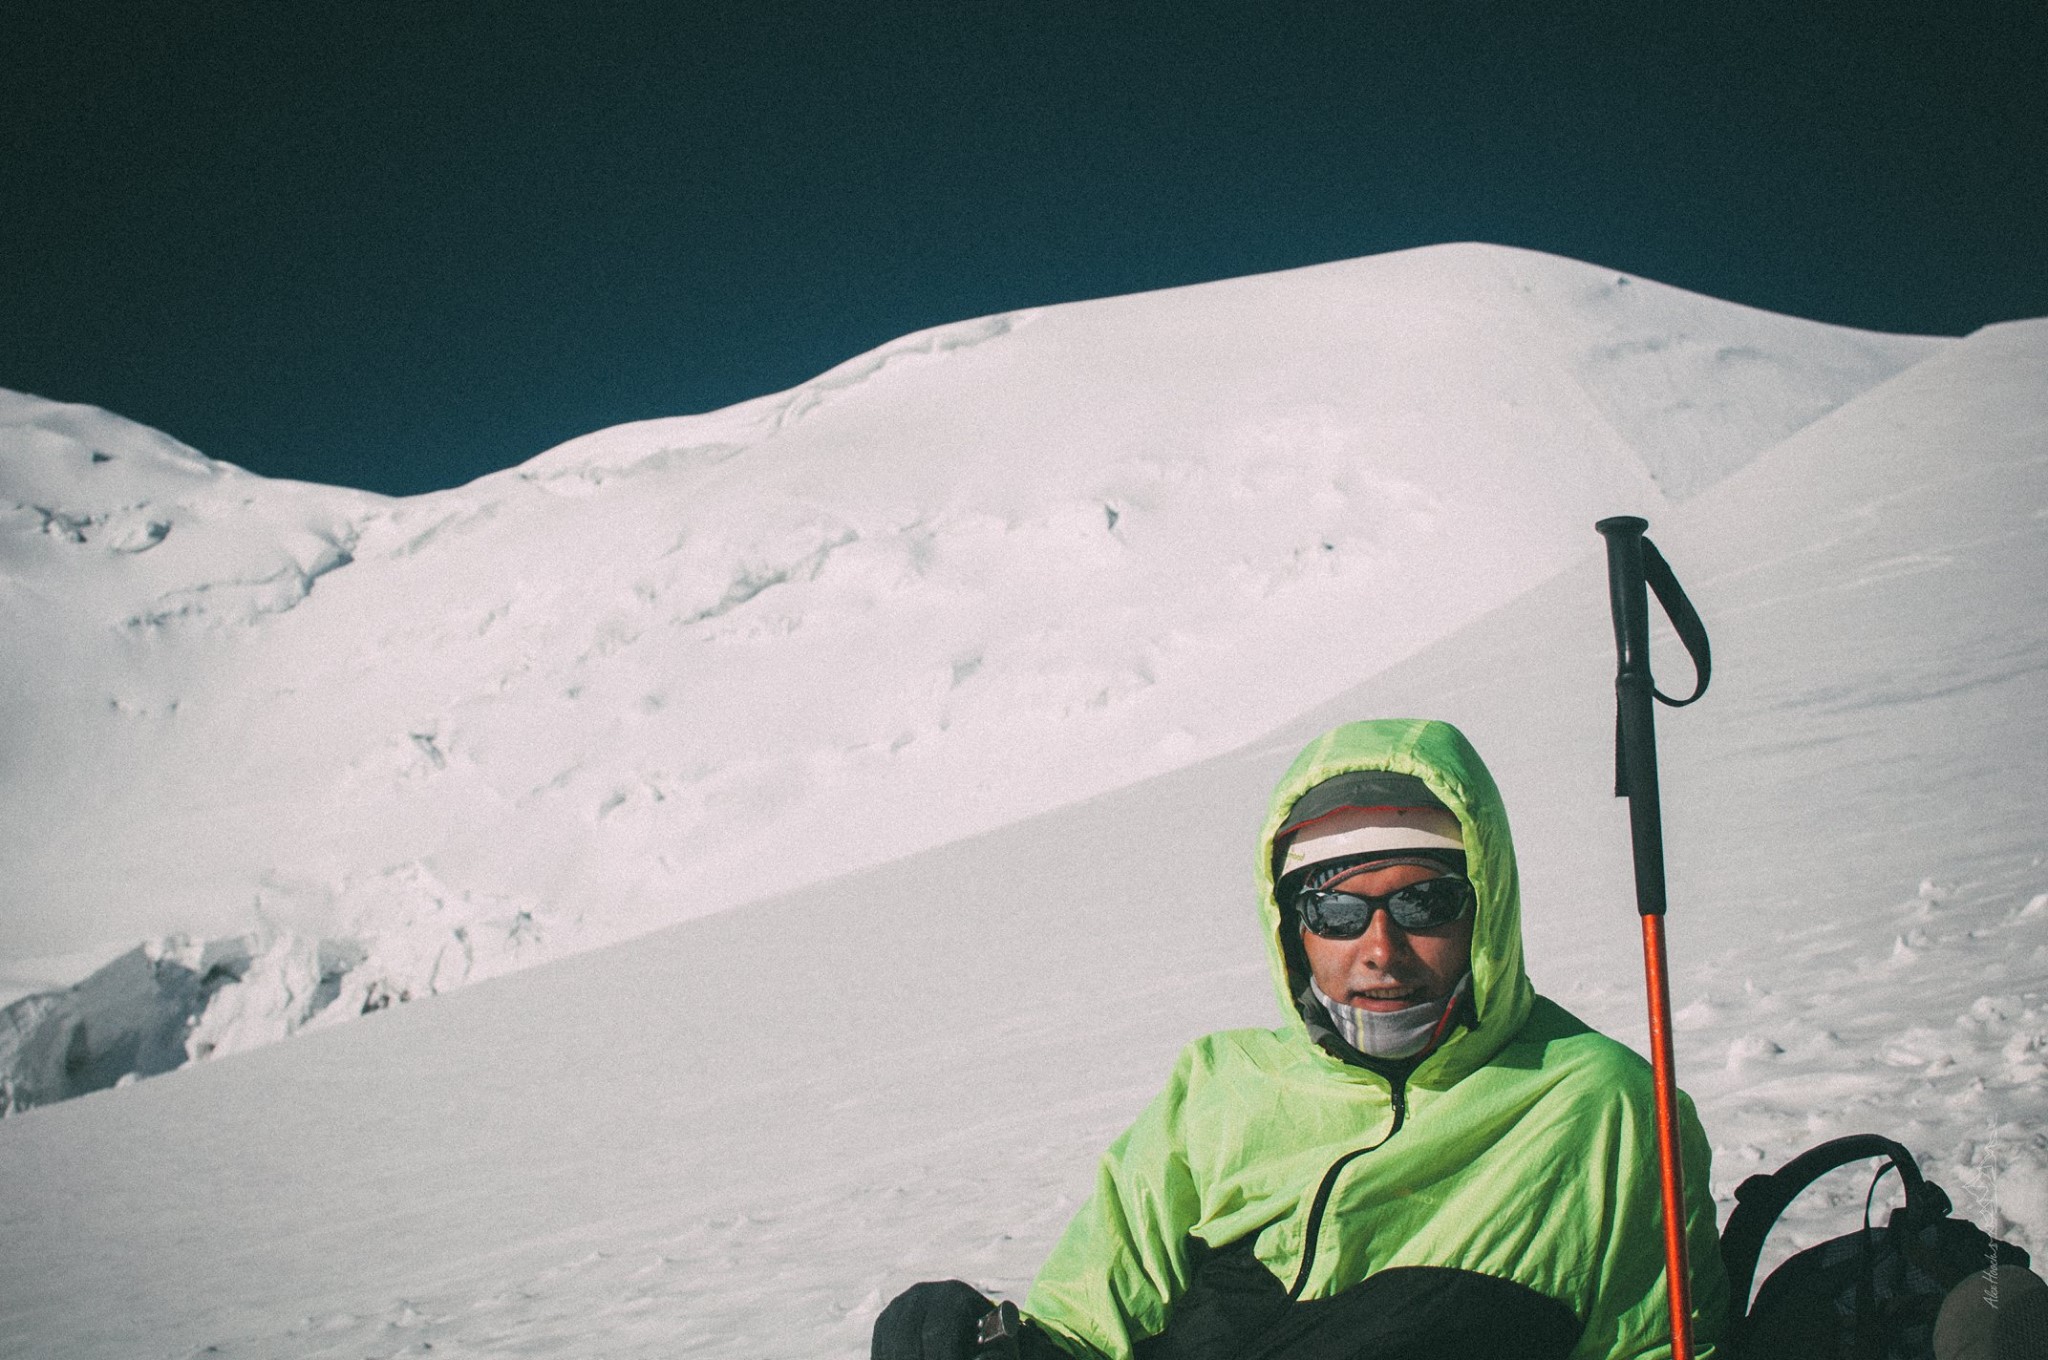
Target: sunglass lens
1419, 906
1335, 915
1430, 903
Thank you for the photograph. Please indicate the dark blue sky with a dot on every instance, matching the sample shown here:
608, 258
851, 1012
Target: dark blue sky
399, 245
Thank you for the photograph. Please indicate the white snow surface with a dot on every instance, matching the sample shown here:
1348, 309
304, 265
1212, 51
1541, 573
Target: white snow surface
961, 675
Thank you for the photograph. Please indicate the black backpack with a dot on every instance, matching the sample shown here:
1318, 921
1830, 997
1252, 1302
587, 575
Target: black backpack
1872, 1294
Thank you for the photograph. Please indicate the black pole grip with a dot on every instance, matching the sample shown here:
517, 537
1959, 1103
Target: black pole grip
1635, 720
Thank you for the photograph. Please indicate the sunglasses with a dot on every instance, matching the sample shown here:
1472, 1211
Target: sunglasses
1427, 905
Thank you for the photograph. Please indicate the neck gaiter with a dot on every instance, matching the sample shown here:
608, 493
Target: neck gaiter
1391, 1034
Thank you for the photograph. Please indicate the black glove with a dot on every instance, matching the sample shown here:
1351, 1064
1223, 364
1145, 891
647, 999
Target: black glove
931, 1321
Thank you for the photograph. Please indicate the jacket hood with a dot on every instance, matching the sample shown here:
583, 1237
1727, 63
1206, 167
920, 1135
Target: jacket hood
1437, 754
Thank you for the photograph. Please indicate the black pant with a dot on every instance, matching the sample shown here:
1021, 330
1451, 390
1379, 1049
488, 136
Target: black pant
1238, 1311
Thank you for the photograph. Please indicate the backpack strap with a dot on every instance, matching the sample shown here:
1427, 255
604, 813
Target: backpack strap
1760, 1199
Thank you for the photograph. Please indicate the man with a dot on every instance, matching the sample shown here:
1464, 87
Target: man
1426, 1160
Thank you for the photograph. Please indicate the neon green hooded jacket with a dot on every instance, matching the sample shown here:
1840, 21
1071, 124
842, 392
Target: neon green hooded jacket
1522, 1147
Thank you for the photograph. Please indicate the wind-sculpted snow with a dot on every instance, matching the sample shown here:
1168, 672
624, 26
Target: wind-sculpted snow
815, 393
102, 520
981, 572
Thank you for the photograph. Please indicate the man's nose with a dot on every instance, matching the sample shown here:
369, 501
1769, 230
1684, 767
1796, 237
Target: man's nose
1383, 940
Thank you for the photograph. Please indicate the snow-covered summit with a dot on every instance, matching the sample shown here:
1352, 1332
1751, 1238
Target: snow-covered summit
740, 1135
374, 748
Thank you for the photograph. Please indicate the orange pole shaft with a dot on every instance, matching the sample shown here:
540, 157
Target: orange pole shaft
1670, 1167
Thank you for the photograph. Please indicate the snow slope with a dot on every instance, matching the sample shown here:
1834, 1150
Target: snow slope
323, 751
739, 1135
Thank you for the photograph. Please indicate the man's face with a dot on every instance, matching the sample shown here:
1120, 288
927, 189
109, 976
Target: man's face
1388, 968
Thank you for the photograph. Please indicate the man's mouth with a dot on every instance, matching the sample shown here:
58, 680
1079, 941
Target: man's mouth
1385, 998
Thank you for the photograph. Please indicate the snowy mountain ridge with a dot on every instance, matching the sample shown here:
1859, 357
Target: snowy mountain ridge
371, 749
739, 1135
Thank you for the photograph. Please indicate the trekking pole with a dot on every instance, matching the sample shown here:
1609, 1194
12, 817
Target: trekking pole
1633, 563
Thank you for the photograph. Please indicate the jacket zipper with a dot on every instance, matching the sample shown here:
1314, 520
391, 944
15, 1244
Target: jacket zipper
1329, 1185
